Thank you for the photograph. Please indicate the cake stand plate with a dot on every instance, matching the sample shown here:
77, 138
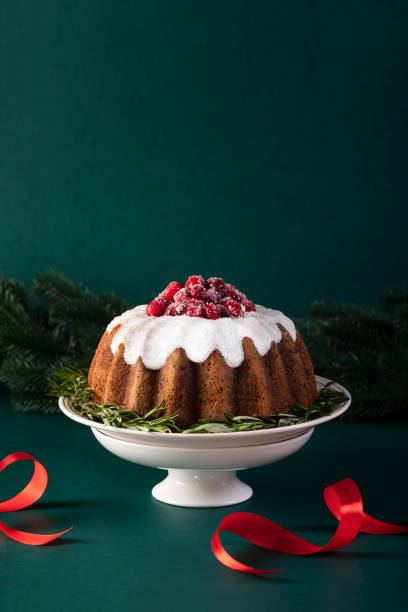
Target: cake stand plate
203, 477
202, 467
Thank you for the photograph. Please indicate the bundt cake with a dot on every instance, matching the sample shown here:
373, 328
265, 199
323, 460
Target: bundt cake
205, 349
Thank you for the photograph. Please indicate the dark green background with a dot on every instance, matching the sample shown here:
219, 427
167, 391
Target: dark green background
261, 141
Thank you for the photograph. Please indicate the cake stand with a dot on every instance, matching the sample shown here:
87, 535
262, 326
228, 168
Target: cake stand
202, 467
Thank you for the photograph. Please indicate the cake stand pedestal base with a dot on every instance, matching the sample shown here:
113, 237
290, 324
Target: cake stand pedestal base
202, 488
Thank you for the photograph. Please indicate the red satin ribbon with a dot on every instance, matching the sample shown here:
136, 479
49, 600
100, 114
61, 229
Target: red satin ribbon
28, 496
343, 500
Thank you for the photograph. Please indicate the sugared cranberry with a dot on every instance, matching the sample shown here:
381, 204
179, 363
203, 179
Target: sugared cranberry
197, 291
195, 310
171, 289
235, 293
248, 305
239, 296
223, 312
194, 302
195, 280
216, 283
171, 310
234, 308
211, 311
212, 295
181, 296
174, 309
157, 307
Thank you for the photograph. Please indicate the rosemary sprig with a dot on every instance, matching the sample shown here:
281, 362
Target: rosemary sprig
112, 414
73, 383
326, 403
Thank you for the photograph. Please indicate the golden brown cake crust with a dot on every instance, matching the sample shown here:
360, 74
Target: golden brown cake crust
260, 385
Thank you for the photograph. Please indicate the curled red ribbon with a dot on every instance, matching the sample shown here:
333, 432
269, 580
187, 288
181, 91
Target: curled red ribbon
343, 500
28, 496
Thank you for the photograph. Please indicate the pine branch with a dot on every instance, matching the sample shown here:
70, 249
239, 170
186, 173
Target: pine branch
62, 293
55, 287
365, 350
57, 324
392, 299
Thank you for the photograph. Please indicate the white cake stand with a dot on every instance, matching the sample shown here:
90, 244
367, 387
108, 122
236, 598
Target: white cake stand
202, 467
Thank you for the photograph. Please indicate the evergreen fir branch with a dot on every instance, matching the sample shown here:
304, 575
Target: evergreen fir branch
87, 310
30, 337
59, 322
16, 303
36, 403
393, 299
75, 302
364, 350
113, 304
352, 326
55, 287
75, 311
33, 378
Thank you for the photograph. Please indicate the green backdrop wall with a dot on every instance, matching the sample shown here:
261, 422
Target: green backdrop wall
261, 141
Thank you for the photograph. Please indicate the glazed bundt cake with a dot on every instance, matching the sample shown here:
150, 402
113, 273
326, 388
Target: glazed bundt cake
205, 349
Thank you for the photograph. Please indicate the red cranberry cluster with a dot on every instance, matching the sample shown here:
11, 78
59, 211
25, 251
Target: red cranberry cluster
211, 299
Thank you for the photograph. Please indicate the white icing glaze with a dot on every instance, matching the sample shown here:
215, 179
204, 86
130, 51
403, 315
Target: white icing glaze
155, 338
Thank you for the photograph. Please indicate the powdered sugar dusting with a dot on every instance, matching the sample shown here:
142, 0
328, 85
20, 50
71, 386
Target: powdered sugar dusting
155, 338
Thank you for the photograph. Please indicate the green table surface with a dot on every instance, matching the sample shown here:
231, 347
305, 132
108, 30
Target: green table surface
127, 551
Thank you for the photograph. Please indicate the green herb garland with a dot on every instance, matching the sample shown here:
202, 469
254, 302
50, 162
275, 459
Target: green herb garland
72, 382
